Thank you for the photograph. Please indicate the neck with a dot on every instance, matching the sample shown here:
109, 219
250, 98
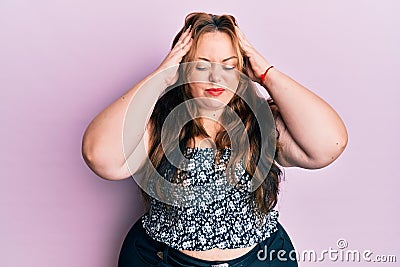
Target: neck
211, 114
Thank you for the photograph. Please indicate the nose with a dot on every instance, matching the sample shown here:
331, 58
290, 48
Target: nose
215, 73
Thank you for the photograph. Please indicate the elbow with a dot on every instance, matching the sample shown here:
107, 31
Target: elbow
339, 146
333, 146
329, 154
100, 166
103, 169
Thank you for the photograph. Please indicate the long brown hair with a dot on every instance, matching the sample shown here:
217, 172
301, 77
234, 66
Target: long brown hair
264, 198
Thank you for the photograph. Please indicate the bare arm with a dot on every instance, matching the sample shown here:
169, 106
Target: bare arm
116, 134
103, 146
311, 132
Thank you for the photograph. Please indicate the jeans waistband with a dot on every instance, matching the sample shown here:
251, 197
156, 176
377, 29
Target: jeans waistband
179, 259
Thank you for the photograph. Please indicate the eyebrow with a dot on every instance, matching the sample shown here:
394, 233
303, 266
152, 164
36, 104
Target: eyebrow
226, 59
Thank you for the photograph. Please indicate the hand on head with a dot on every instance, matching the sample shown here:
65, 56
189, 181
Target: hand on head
258, 64
170, 64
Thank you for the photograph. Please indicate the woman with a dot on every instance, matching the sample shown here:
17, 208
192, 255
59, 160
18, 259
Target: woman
216, 59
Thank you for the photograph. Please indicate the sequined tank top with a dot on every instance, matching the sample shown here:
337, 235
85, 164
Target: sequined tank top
227, 222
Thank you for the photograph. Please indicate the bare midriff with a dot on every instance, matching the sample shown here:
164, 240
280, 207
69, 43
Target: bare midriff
217, 254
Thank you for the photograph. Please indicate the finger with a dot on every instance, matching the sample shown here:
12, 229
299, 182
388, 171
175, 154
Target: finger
187, 46
187, 38
183, 50
179, 45
185, 33
183, 39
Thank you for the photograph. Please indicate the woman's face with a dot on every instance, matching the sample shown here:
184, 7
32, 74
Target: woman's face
214, 76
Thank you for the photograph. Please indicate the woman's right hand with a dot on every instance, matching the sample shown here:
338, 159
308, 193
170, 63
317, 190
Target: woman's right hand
169, 66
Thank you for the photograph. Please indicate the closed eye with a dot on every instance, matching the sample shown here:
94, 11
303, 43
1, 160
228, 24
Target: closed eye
201, 68
228, 67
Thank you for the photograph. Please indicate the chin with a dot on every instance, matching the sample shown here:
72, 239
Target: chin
212, 103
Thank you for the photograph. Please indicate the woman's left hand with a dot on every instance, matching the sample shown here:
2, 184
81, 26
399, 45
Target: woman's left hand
258, 64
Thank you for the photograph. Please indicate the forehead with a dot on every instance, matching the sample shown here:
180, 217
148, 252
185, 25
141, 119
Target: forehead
215, 46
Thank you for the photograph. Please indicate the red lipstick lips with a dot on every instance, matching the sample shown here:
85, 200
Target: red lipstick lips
215, 91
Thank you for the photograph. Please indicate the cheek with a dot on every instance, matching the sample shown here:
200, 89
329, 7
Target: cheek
231, 82
196, 89
198, 76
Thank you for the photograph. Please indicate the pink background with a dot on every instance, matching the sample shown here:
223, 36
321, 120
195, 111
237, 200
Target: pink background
63, 61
